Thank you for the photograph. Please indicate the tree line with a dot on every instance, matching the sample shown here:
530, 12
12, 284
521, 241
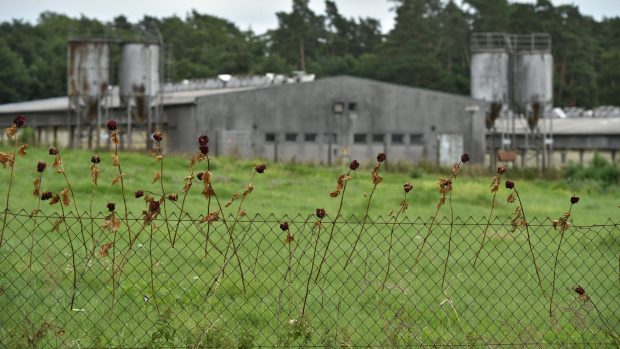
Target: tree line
428, 46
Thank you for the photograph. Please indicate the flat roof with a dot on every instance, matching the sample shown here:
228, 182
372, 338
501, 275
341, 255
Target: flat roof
568, 126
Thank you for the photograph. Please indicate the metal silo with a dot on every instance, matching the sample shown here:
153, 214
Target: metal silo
490, 62
139, 82
88, 72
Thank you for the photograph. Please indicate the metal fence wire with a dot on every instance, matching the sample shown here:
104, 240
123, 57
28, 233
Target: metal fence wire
247, 283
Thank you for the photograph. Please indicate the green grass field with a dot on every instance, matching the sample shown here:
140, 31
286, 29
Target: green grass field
499, 302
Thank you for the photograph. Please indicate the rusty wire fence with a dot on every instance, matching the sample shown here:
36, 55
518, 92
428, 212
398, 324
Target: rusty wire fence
243, 284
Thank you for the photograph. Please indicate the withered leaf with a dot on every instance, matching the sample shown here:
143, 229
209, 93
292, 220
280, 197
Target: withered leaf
117, 179
37, 188
65, 196
241, 213
11, 131
55, 199
211, 217
248, 190
22, 150
115, 138
56, 226
511, 198
112, 223
94, 174
7, 158
105, 248
57, 162
404, 205
289, 238
495, 184
115, 161
232, 199
156, 177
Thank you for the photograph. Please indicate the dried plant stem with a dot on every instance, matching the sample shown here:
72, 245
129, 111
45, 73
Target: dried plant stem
163, 193
208, 210
182, 212
316, 244
289, 274
555, 264
34, 228
8, 193
445, 266
529, 242
331, 232
486, 228
120, 173
359, 236
609, 330
77, 213
390, 244
62, 209
153, 289
430, 230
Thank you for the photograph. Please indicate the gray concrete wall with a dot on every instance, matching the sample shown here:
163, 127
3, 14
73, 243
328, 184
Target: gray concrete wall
306, 108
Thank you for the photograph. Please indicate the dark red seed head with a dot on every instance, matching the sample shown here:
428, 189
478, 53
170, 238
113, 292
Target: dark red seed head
501, 170
95, 159
203, 140
354, 165
111, 206
41, 167
260, 168
464, 158
408, 187
157, 137
381, 157
320, 213
580, 290
200, 175
510, 184
139, 194
284, 226
153, 206
574, 199
53, 151
204, 149
112, 125
173, 197
19, 121
46, 196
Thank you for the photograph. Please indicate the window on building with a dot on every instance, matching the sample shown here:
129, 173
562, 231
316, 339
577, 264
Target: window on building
359, 138
310, 137
338, 107
378, 137
290, 137
352, 106
330, 138
398, 138
416, 138
270, 137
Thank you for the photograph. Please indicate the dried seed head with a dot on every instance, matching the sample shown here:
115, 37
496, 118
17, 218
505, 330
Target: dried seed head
203, 140
574, 199
580, 290
464, 158
41, 167
112, 125
95, 159
173, 197
153, 206
284, 226
381, 157
408, 187
204, 149
157, 136
19, 121
139, 194
111, 206
200, 175
501, 170
53, 151
354, 165
46, 196
320, 213
260, 168
510, 184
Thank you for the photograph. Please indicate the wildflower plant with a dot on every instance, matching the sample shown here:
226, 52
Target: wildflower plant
320, 214
376, 179
518, 220
404, 205
496, 181
9, 159
563, 225
37, 194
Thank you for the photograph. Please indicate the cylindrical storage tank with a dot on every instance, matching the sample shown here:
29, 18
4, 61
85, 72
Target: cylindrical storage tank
489, 76
139, 69
533, 79
88, 68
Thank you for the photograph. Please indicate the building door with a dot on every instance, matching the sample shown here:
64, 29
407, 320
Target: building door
450, 148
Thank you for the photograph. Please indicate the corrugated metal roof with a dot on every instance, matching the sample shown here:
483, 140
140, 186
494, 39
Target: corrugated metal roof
59, 104
569, 126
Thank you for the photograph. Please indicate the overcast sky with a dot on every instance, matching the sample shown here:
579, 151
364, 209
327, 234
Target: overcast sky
256, 14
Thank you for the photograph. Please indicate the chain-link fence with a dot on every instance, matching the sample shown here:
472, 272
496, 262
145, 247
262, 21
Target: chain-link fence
69, 283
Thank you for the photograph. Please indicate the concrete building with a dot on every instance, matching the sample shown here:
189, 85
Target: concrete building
323, 121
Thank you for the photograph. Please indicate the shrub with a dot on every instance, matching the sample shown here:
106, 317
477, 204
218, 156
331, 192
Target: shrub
599, 169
